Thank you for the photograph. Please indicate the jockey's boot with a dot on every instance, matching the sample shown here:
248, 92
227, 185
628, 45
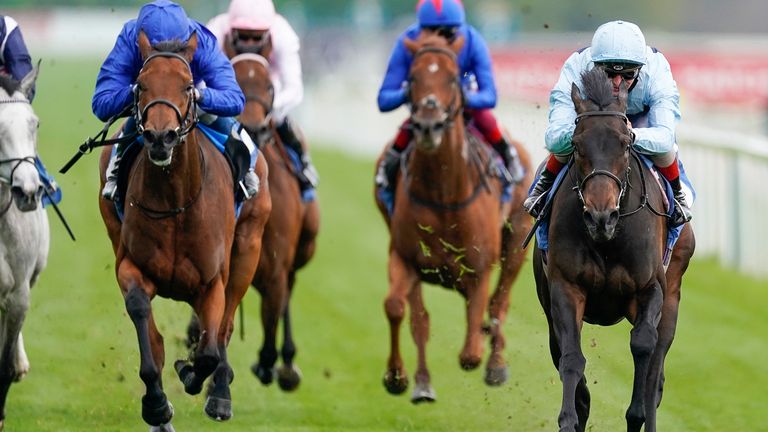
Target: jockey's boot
110, 186
307, 176
536, 199
240, 154
508, 153
682, 212
387, 170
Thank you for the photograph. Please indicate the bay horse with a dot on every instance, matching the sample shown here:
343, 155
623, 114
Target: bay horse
179, 237
605, 260
290, 233
449, 226
24, 233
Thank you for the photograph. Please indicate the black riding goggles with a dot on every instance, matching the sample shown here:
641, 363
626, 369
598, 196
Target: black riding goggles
448, 32
256, 38
624, 70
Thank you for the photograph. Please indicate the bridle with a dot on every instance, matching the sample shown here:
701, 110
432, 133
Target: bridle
186, 122
623, 184
430, 102
17, 161
264, 128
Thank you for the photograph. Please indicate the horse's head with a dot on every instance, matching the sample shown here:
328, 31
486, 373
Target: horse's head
248, 41
601, 150
252, 73
434, 89
18, 141
165, 99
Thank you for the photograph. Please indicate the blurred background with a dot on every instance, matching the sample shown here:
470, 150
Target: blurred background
718, 52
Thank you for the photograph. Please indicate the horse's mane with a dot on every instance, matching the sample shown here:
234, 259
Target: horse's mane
9, 84
172, 46
598, 88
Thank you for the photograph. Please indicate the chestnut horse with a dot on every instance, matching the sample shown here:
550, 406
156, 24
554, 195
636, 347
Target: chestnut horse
179, 238
291, 230
605, 257
449, 226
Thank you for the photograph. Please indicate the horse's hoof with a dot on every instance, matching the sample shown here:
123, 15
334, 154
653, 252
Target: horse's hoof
266, 376
469, 362
218, 409
423, 393
156, 414
395, 383
187, 376
288, 377
496, 376
162, 428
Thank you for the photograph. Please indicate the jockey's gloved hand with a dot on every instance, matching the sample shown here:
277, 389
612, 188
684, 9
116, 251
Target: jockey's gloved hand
198, 94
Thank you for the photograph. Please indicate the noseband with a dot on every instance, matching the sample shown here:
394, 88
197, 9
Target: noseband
186, 123
250, 97
621, 183
450, 112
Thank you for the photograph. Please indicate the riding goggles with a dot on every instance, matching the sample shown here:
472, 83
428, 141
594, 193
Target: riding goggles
448, 32
624, 70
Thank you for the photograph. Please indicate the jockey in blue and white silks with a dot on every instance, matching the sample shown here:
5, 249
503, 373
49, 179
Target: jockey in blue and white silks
217, 91
16, 62
445, 18
653, 107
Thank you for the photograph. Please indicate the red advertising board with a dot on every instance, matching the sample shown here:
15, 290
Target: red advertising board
703, 78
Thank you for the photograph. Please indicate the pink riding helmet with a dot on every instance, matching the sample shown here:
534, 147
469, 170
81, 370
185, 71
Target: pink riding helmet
251, 14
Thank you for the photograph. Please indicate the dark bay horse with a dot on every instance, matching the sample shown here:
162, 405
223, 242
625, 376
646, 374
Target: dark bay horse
449, 226
179, 238
290, 233
607, 237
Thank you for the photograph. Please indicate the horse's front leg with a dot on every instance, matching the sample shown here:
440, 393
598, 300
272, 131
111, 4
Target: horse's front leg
567, 304
643, 339
209, 308
477, 299
402, 279
273, 301
11, 320
156, 410
422, 391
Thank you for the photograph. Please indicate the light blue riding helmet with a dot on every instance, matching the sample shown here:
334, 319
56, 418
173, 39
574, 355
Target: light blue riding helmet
618, 42
163, 20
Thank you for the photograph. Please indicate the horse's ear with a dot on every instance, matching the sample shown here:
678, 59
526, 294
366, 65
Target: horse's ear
411, 45
189, 51
623, 93
578, 102
144, 46
28, 82
457, 44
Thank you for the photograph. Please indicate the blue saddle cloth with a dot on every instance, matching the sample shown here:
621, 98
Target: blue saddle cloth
387, 195
673, 233
217, 138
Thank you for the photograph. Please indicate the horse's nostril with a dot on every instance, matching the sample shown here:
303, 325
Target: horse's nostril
170, 137
613, 217
149, 136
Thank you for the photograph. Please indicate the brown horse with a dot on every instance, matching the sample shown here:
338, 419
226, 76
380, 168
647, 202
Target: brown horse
448, 225
291, 230
179, 238
605, 260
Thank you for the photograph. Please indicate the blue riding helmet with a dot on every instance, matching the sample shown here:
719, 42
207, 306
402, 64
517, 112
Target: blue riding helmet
163, 20
440, 13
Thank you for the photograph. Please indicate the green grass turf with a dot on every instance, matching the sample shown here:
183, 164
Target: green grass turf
84, 355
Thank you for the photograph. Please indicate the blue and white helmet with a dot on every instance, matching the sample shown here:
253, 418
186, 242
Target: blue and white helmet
618, 42
433, 13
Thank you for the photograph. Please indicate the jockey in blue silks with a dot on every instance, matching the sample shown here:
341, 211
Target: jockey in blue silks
217, 92
653, 108
16, 63
445, 18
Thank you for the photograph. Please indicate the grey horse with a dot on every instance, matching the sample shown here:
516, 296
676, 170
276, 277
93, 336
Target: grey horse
24, 234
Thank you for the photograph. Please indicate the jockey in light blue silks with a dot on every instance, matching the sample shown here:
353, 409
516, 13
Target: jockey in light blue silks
217, 92
16, 63
445, 18
653, 108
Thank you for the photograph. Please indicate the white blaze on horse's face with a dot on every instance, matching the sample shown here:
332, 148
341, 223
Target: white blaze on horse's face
433, 68
18, 139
